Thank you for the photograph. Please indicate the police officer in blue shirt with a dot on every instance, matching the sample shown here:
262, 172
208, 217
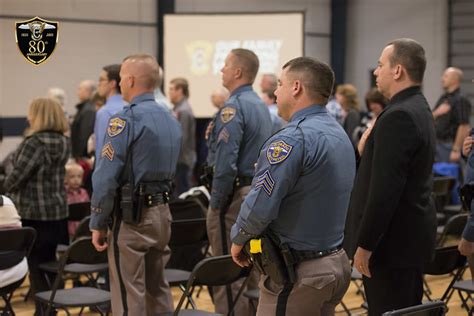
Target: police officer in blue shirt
243, 125
131, 184
218, 97
300, 193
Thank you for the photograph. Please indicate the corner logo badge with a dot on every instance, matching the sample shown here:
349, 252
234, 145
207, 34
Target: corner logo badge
36, 39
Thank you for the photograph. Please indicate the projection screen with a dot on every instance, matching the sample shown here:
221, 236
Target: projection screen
195, 47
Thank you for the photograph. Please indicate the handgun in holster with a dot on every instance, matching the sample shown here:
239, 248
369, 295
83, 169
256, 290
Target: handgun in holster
271, 258
207, 177
130, 205
466, 193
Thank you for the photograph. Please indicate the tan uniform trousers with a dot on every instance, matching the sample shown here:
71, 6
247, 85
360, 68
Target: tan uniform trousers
321, 284
137, 258
243, 307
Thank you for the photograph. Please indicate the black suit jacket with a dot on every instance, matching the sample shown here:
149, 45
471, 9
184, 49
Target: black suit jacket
391, 212
81, 128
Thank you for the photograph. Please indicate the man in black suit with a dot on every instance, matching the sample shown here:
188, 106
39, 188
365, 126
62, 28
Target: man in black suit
83, 124
391, 224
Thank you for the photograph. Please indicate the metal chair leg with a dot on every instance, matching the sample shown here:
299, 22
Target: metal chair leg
189, 297
346, 309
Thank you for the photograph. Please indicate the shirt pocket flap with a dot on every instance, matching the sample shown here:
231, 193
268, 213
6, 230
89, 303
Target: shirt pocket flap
318, 282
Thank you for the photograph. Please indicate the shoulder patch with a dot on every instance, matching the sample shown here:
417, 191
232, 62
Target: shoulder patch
266, 182
108, 151
227, 114
278, 151
116, 126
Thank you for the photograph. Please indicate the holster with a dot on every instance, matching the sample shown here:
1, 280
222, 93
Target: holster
466, 193
269, 256
148, 194
130, 207
207, 177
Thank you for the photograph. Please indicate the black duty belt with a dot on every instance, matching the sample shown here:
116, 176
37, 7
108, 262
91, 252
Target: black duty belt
304, 255
151, 200
208, 170
242, 181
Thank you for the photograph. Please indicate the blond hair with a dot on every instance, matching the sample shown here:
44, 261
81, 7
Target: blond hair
46, 114
350, 97
73, 166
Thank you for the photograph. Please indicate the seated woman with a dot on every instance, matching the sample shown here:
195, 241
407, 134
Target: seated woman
9, 218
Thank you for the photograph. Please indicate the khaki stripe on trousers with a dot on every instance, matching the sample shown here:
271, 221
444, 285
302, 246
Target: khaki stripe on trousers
320, 285
143, 254
243, 307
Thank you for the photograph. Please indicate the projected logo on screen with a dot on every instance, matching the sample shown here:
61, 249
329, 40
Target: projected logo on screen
202, 53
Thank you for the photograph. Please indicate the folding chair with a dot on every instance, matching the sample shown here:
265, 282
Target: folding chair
253, 296
186, 209
356, 279
91, 271
80, 251
441, 193
15, 244
78, 211
189, 235
465, 290
199, 194
81, 231
214, 271
453, 228
437, 308
442, 187
447, 260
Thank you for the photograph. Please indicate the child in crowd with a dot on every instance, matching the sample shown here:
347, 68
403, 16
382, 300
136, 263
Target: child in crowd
75, 193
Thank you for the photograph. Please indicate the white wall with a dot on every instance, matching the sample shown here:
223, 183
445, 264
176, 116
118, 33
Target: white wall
372, 23
83, 48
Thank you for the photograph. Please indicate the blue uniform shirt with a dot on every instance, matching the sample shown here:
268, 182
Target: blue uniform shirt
156, 138
468, 233
242, 127
302, 184
277, 122
113, 105
212, 140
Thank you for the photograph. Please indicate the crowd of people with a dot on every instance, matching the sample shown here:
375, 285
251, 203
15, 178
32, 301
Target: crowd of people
298, 164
